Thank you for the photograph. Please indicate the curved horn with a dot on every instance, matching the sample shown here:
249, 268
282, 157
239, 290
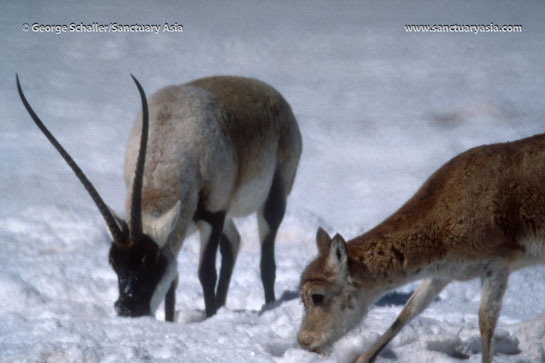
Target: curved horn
116, 232
135, 228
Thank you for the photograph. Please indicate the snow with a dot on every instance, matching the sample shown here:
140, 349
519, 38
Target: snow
379, 109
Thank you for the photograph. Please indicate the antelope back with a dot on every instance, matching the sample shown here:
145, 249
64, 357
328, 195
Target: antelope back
212, 140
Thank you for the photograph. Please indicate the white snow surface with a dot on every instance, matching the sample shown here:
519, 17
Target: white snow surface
379, 109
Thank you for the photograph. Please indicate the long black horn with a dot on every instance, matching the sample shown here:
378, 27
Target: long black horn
135, 228
116, 232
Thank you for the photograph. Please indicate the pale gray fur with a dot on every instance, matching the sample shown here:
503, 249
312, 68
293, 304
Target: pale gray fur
186, 153
194, 157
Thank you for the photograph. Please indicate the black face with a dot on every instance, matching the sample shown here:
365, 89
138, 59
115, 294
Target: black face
139, 270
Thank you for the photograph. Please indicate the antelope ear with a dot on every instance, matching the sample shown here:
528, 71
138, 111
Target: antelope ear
322, 241
159, 228
120, 223
338, 255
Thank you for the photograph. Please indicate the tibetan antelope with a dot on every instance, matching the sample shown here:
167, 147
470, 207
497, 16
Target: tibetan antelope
482, 214
213, 149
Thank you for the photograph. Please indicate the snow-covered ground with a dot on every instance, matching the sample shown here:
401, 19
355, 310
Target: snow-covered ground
379, 109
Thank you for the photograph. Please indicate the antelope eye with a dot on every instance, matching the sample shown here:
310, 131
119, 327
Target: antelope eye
147, 260
317, 299
150, 259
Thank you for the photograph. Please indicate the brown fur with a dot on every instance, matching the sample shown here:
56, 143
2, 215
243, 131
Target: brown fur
244, 98
479, 205
484, 210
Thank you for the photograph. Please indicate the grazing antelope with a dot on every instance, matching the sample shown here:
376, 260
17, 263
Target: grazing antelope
213, 149
482, 214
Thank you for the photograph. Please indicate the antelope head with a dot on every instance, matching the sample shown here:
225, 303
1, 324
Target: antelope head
333, 304
145, 268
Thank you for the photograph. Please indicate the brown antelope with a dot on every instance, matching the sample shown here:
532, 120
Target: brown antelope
482, 214
219, 147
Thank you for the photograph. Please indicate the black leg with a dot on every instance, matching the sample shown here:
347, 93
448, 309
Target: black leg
272, 213
207, 268
227, 264
170, 301
268, 267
